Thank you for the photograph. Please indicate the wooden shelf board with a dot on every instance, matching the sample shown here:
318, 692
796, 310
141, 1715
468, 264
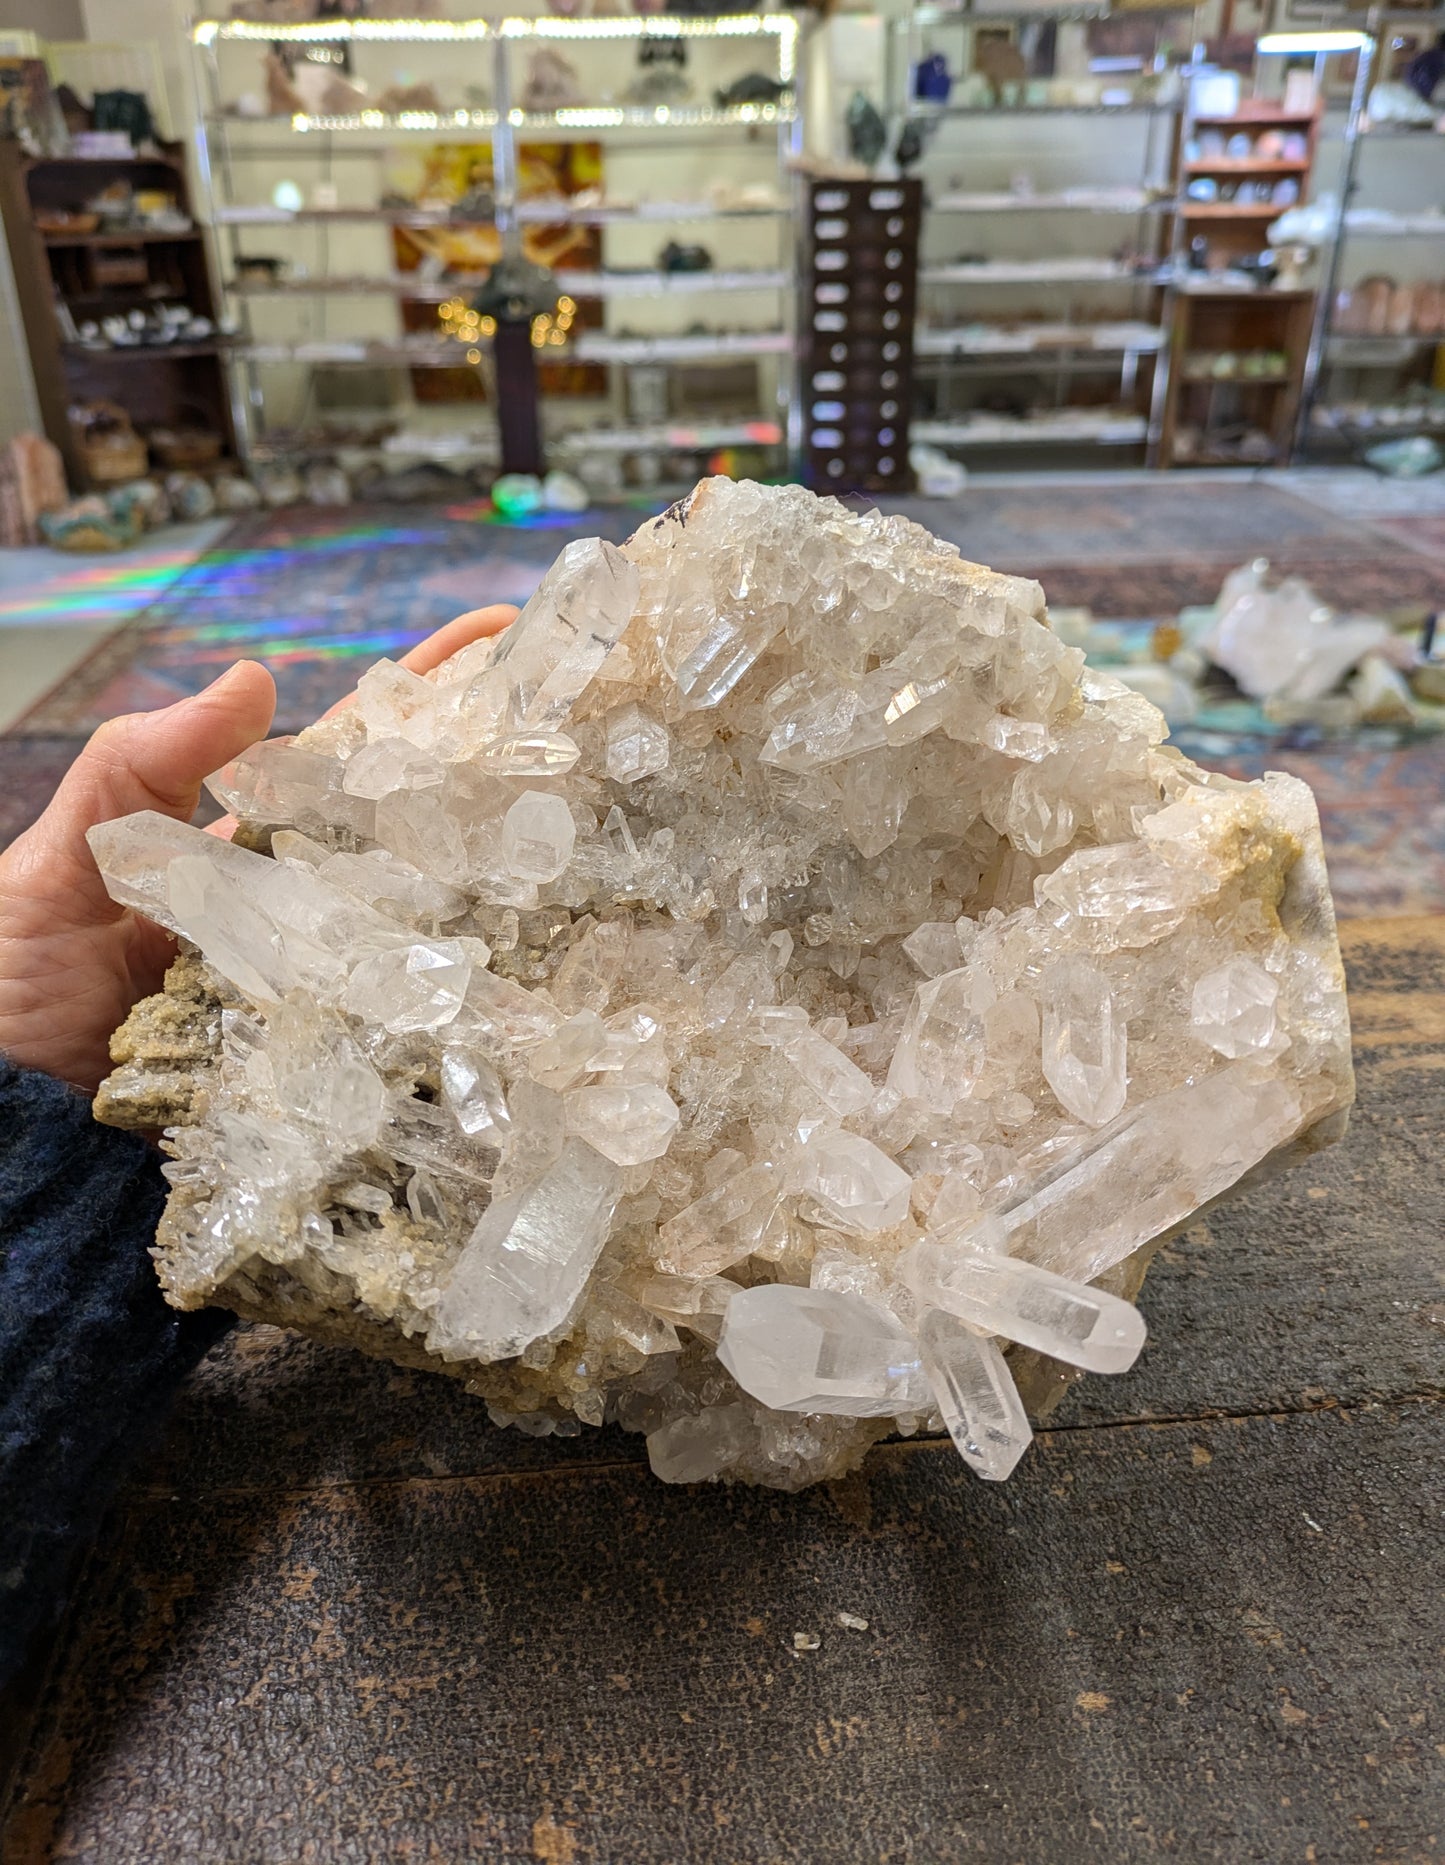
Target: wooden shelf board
1007, 111
1253, 118
260, 218
101, 161
1243, 293
139, 352
1230, 210
1247, 165
1222, 459
143, 236
1241, 381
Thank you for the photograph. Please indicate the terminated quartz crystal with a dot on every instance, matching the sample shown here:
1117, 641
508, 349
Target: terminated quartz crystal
977, 1399
525, 1266
821, 1350
1084, 1049
1232, 1009
1003, 1295
772, 995
637, 746
538, 836
852, 1181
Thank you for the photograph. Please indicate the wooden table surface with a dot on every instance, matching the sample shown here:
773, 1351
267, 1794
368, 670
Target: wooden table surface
341, 1618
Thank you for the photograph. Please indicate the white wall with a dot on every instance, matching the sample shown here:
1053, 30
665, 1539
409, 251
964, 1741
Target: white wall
19, 409
52, 19
162, 25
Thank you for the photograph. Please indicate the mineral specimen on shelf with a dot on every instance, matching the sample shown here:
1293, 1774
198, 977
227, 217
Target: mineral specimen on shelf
773, 995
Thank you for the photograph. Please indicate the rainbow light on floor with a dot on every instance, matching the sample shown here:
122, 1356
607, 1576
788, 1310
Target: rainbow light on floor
286, 644
125, 585
100, 589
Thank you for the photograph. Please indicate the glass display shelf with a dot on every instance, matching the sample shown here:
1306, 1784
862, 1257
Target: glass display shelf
1085, 427
1041, 340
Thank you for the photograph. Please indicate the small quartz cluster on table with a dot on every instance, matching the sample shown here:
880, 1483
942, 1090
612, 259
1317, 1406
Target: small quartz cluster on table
773, 995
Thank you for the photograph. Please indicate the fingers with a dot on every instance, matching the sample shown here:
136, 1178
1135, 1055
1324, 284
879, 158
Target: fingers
145, 760
157, 760
473, 626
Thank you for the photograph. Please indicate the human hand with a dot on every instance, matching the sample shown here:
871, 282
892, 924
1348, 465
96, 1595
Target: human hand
73, 963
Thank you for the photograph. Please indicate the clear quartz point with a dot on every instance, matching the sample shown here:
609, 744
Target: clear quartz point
714, 665
529, 754
934, 947
574, 1047
1233, 1008
416, 987
393, 702
1068, 1320
840, 1084
134, 852
538, 836
526, 1264
240, 937
942, 1044
701, 1445
854, 1182
975, 1395
696, 1302
473, 1091
628, 1122
1145, 1173
1084, 1043
281, 781
821, 1350
617, 833
637, 746
722, 1227
385, 881
388, 764
557, 645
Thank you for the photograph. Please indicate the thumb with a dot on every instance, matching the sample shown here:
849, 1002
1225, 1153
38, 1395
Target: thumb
157, 760
143, 760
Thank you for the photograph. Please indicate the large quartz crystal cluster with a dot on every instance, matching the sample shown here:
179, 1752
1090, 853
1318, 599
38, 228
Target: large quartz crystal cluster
773, 995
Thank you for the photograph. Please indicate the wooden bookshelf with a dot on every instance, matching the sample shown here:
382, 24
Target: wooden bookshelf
163, 385
1214, 406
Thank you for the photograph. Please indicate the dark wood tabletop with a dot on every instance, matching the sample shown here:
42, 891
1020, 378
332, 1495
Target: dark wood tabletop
341, 1618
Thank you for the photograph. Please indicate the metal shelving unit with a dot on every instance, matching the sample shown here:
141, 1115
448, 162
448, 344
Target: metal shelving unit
1047, 355
231, 143
1322, 421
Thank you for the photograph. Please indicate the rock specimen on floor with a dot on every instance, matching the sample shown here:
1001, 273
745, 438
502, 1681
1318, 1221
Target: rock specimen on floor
773, 995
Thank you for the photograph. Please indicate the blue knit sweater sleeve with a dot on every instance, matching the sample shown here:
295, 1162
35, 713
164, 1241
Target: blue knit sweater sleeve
90, 1354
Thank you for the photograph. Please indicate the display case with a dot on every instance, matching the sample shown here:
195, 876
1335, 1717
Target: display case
361, 208
1239, 337
1238, 368
1049, 176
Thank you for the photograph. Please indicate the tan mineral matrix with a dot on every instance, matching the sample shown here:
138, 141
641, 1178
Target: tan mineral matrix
773, 995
